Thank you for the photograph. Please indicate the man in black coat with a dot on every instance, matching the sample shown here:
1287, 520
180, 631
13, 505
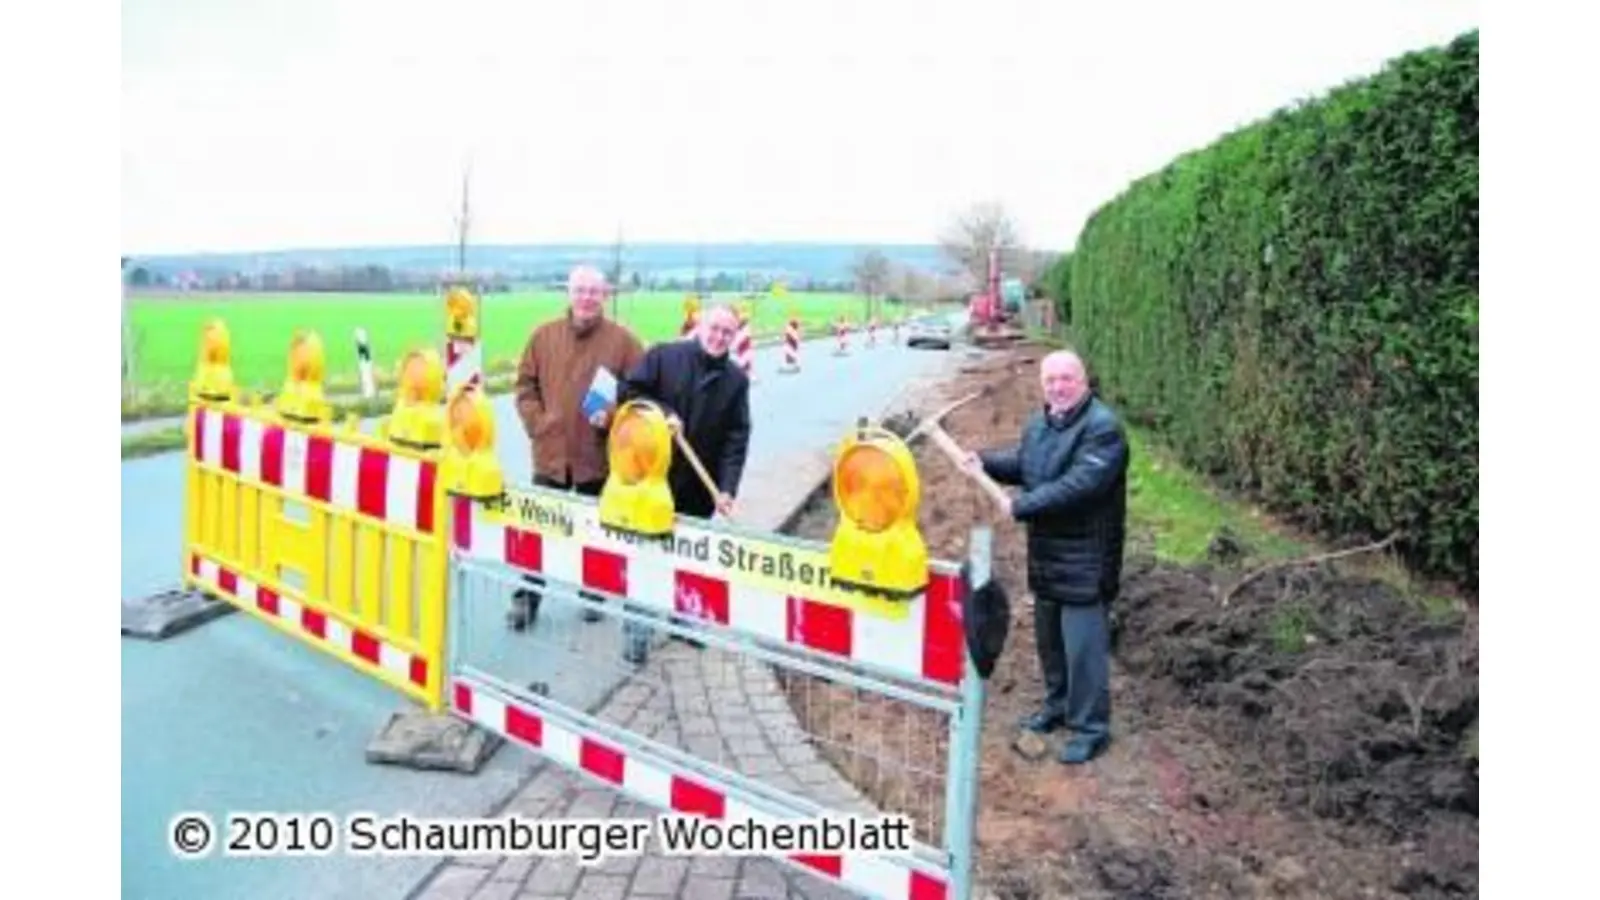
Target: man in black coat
1072, 467
707, 397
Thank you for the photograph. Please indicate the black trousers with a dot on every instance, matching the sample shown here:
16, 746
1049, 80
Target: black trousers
587, 489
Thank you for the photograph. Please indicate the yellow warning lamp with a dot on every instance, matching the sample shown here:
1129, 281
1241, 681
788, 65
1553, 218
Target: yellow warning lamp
418, 420
470, 467
302, 399
636, 498
461, 314
877, 548
213, 377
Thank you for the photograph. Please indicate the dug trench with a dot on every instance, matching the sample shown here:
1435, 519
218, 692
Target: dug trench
1312, 737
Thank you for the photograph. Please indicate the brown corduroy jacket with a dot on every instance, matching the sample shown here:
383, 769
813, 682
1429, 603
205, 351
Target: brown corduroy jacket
558, 364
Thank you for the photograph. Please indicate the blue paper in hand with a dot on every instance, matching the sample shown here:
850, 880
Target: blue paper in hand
602, 392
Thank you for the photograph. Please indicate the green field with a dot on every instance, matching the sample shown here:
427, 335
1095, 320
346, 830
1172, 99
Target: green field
168, 327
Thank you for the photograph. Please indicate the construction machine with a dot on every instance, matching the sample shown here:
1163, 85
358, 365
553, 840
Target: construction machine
994, 315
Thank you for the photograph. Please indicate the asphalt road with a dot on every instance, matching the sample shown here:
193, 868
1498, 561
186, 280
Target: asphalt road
235, 716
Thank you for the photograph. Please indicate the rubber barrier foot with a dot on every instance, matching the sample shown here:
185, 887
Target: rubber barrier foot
169, 613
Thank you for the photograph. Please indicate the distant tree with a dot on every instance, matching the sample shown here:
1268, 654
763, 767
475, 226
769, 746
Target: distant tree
967, 240
871, 272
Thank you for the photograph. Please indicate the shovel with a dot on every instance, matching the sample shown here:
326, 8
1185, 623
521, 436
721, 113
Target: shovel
699, 468
941, 439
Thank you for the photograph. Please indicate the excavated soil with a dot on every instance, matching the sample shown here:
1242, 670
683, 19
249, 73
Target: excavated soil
1310, 737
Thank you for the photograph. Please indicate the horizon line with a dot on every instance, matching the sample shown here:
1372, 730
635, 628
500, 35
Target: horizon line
605, 245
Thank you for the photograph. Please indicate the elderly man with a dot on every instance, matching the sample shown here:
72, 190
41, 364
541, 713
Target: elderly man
708, 399
1072, 467
558, 365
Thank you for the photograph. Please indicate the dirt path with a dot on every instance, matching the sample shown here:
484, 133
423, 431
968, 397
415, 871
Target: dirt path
1310, 739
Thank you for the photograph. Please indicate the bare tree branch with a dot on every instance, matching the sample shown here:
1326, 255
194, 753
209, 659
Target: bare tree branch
967, 240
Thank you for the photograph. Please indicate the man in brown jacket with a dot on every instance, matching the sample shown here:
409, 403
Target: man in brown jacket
557, 367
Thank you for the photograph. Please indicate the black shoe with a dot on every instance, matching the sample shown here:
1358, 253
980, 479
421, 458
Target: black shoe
524, 610
1042, 722
637, 652
1077, 751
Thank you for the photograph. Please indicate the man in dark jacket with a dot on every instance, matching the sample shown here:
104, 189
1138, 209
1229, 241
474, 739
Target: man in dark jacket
708, 399
1072, 467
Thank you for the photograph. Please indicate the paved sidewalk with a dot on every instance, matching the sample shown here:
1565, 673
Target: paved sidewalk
738, 716
715, 707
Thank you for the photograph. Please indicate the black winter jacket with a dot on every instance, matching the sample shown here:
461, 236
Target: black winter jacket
1073, 472
712, 398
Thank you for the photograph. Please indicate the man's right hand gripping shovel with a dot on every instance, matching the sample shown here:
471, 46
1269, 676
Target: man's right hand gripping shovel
676, 426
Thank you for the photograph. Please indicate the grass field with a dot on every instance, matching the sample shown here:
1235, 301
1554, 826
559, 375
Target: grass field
167, 327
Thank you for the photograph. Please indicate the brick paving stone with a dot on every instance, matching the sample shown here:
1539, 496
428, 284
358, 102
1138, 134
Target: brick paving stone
660, 875
497, 890
761, 878
595, 886
554, 875
454, 883
595, 803
514, 869
701, 887
714, 866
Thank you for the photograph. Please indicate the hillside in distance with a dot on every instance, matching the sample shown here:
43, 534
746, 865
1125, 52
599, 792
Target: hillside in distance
816, 262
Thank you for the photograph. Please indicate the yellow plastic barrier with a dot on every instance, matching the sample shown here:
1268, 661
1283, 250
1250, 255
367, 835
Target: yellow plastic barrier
333, 536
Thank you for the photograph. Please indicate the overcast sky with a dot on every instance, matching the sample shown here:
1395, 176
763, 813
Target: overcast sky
317, 123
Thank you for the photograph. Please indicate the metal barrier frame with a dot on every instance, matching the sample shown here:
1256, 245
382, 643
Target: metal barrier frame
484, 537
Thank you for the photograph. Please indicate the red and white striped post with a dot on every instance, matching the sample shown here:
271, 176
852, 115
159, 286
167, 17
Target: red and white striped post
744, 351
872, 332
463, 357
841, 330
791, 346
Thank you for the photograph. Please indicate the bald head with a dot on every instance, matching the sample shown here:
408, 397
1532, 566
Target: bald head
586, 293
719, 325
1064, 380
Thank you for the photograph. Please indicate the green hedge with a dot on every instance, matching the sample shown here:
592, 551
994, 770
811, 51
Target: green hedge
1295, 307
1056, 282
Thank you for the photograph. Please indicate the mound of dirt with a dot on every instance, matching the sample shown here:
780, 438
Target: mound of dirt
1310, 738
1347, 699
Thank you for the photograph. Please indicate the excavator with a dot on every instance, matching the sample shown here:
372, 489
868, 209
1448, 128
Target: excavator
993, 316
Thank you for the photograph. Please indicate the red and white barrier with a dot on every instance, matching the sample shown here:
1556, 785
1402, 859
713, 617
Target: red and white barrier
661, 784
280, 603
926, 645
387, 487
744, 350
463, 364
872, 332
791, 346
841, 331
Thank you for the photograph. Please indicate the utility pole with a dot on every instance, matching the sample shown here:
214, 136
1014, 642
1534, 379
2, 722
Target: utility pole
616, 276
464, 222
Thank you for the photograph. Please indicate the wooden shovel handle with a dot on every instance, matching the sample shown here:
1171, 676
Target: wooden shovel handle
952, 450
699, 468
